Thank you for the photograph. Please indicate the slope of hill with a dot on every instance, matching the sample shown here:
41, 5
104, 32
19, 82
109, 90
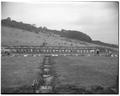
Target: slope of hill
14, 36
76, 35
105, 44
40, 35
63, 33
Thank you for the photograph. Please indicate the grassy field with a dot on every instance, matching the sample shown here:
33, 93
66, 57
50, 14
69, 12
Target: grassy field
80, 71
19, 71
86, 71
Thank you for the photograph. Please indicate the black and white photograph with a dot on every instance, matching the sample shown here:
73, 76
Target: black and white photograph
65, 47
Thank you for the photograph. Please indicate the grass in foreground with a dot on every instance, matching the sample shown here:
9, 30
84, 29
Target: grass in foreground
75, 75
19, 71
84, 71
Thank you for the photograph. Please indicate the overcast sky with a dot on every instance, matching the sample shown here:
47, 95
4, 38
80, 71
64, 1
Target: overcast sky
97, 19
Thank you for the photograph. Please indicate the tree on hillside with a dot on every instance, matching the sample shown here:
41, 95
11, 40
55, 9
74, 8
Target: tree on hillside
8, 19
62, 30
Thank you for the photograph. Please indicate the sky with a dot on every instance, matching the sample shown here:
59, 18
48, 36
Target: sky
99, 20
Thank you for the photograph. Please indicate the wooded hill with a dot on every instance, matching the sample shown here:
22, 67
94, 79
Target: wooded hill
72, 34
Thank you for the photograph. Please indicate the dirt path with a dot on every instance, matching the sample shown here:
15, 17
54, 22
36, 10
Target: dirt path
45, 84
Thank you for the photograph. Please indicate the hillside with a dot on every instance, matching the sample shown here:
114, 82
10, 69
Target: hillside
63, 33
76, 35
42, 35
15, 36
104, 44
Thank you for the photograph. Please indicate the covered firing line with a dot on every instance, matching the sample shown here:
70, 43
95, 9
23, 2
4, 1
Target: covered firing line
38, 51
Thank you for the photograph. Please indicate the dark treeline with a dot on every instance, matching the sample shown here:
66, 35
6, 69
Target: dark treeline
20, 25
